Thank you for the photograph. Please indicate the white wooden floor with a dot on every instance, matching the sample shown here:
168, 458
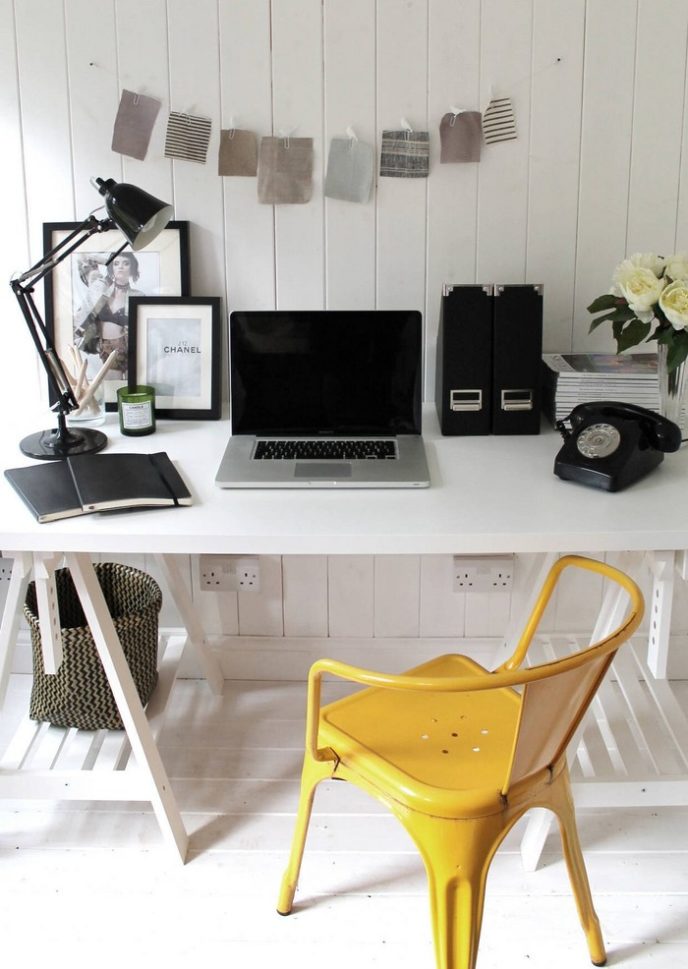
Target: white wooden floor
90, 884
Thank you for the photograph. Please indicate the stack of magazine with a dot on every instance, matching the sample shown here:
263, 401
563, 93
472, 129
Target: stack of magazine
570, 379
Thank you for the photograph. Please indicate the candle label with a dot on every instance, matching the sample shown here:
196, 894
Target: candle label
137, 417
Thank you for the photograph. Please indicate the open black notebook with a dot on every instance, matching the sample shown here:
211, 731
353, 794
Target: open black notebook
98, 482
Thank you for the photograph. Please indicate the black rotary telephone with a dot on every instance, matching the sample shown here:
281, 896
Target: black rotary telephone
610, 445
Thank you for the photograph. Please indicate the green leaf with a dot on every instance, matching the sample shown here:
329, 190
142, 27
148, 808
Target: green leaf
678, 350
631, 334
600, 319
605, 302
665, 334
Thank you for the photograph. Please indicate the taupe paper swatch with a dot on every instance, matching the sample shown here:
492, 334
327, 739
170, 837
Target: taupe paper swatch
238, 154
134, 124
285, 171
349, 170
461, 137
405, 154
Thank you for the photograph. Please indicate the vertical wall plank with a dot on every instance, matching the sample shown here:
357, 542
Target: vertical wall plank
453, 80
350, 595
605, 159
401, 202
349, 62
505, 68
397, 595
657, 106
93, 97
298, 109
304, 590
246, 77
194, 88
44, 96
442, 611
219, 611
143, 67
556, 105
260, 613
681, 231
19, 369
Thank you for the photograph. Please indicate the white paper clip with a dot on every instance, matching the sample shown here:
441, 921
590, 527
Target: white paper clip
407, 127
285, 135
455, 112
351, 133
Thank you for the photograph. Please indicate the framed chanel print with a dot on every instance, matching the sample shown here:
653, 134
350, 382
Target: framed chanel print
87, 296
175, 346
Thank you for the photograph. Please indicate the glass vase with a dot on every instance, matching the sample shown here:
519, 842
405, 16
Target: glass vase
672, 388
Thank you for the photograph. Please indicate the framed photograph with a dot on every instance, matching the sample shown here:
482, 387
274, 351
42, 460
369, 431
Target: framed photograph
175, 346
87, 295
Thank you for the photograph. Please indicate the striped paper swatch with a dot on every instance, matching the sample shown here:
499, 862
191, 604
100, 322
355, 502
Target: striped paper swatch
499, 123
187, 137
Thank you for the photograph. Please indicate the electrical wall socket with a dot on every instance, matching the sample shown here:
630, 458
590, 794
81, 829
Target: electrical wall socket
229, 573
483, 573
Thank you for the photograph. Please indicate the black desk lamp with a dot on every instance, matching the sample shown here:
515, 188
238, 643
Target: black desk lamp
140, 217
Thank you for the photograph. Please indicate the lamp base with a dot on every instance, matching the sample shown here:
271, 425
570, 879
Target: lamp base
53, 444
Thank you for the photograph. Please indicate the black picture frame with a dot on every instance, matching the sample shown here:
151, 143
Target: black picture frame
76, 312
175, 346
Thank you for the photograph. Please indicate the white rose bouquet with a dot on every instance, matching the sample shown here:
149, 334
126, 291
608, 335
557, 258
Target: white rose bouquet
648, 301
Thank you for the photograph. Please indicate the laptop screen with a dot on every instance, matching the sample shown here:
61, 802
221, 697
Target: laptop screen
326, 372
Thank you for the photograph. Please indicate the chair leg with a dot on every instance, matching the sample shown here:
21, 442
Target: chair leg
578, 876
313, 772
457, 856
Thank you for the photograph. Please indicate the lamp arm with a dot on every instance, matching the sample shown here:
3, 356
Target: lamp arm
50, 260
23, 287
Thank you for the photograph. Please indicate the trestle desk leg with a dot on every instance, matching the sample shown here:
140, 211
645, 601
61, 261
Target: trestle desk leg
9, 628
662, 566
127, 699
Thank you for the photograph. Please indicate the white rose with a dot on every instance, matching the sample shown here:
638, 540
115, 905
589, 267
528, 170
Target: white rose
640, 288
677, 266
648, 260
674, 304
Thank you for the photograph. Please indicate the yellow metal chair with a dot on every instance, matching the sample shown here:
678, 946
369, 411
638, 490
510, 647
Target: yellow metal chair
459, 754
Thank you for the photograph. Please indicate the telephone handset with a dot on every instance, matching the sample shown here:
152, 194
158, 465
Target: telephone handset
610, 445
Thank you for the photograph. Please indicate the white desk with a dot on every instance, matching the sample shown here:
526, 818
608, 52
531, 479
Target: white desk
488, 494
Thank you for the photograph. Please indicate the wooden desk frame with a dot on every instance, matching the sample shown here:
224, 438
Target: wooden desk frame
151, 781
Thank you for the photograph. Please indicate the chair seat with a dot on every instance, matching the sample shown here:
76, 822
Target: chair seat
445, 754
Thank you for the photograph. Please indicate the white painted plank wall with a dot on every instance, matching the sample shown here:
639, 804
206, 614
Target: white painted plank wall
598, 169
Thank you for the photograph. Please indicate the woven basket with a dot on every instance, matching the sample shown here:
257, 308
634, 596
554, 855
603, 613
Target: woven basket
79, 695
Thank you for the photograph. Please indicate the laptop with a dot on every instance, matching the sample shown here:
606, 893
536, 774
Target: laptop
325, 399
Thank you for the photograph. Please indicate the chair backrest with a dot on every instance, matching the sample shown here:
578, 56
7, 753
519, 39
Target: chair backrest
556, 695
553, 696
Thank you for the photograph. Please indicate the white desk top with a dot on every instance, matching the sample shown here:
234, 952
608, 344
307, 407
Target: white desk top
488, 494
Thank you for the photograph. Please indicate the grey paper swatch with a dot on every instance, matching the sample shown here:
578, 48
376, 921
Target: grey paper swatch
187, 136
405, 154
349, 170
285, 171
238, 154
461, 136
134, 124
499, 123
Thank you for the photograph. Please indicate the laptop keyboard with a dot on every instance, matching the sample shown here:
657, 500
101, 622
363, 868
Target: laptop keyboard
328, 450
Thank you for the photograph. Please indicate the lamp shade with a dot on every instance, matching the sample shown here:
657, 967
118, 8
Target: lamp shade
140, 216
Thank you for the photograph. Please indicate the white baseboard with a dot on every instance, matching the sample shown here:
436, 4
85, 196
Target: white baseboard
276, 658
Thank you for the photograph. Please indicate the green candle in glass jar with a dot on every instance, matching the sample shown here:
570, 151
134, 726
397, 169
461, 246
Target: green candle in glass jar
136, 408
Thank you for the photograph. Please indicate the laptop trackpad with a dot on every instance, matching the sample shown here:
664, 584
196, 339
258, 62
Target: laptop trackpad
331, 471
